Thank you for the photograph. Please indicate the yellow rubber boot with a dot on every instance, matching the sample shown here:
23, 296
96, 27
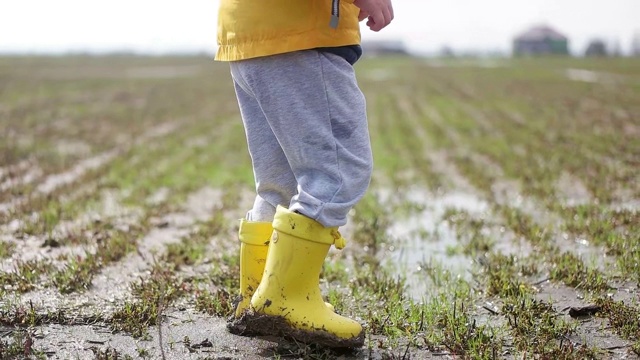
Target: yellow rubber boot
288, 301
254, 245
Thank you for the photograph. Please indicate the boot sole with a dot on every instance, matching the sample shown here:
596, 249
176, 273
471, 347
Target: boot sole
252, 324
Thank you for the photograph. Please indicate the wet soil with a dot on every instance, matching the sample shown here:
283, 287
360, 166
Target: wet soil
254, 324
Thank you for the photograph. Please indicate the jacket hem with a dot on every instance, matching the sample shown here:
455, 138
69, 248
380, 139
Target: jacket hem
297, 42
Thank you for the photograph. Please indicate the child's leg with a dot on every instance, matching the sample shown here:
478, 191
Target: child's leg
275, 183
317, 113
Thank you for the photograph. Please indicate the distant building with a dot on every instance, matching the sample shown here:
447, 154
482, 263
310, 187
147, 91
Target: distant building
540, 40
596, 48
384, 47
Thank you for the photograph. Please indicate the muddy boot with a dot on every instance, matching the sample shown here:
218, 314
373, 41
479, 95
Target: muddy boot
254, 245
288, 301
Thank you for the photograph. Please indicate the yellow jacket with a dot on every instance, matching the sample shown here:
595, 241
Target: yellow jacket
253, 28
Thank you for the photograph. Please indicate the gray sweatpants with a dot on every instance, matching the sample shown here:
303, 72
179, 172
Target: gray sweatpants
306, 126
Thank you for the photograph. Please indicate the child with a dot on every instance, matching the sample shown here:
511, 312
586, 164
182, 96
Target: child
306, 127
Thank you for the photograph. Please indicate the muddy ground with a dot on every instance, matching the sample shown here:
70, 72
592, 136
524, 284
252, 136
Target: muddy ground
505, 198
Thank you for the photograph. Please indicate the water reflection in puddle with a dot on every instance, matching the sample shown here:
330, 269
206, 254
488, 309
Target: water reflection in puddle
422, 241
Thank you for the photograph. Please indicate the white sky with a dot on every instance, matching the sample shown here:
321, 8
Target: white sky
160, 26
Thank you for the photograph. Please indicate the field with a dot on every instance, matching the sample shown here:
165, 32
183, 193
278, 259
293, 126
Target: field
502, 221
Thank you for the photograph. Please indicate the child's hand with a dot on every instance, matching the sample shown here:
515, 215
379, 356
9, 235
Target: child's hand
379, 12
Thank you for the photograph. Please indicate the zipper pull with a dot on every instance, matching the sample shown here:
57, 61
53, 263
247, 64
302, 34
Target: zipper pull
335, 14
334, 21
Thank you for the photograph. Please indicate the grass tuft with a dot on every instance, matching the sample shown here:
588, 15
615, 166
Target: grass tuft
6, 249
218, 303
625, 319
153, 295
569, 269
20, 346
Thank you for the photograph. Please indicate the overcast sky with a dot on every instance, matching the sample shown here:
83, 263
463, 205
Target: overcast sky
160, 26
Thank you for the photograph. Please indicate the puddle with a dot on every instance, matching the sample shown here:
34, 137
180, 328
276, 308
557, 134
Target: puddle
572, 191
508, 193
422, 238
582, 75
592, 76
